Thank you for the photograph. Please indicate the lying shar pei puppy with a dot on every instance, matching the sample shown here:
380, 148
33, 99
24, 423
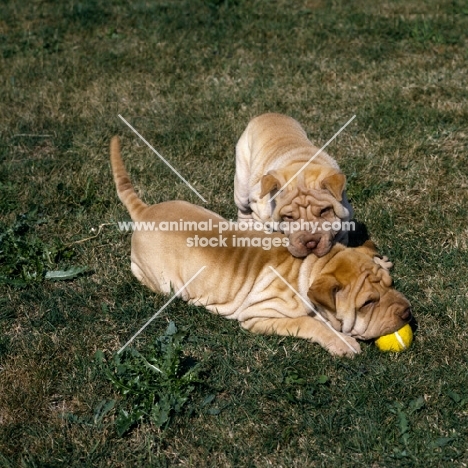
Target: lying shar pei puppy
269, 155
260, 284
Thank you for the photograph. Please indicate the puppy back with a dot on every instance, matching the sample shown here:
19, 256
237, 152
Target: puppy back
125, 189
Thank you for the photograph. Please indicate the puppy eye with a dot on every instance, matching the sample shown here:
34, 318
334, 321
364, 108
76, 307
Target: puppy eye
368, 303
288, 218
326, 211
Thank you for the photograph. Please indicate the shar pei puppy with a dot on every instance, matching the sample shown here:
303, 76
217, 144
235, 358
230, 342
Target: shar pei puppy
275, 183
345, 295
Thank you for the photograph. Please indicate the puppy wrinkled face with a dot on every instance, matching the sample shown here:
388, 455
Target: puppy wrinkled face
308, 207
311, 224
355, 293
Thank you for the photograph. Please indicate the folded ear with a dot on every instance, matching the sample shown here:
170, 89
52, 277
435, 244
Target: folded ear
323, 291
335, 184
269, 183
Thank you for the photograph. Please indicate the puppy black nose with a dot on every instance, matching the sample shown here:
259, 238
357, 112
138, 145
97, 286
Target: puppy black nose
406, 315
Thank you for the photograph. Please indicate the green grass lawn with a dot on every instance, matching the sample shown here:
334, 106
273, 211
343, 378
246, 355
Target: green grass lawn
189, 75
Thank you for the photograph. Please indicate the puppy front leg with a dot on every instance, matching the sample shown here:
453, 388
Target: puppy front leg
241, 196
242, 178
308, 328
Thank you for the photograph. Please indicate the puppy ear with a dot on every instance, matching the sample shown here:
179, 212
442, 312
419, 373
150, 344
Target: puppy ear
369, 248
269, 183
323, 292
370, 245
335, 184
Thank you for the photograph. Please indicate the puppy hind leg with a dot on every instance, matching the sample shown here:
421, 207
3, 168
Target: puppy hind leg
140, 276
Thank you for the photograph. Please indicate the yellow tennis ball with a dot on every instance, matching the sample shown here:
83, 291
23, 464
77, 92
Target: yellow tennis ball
397, 341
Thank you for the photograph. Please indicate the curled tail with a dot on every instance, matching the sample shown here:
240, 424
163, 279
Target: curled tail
125, 189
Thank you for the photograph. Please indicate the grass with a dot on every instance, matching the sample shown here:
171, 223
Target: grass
189, 75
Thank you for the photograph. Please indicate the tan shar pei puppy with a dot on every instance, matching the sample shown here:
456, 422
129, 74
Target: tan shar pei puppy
345, 295
270, 159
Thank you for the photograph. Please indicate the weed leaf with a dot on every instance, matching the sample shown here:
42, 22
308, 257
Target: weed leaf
61, 275
403, 423
441, 442
416, 404
102, 409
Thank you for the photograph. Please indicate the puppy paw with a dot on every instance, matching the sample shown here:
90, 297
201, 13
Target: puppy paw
384, 262
343, 346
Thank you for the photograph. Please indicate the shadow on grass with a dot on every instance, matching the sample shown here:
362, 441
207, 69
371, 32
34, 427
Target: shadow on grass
359, 235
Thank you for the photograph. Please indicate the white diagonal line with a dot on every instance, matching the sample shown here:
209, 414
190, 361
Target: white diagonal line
162, 159
400, 340
310, 305
161, 309
312, 158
